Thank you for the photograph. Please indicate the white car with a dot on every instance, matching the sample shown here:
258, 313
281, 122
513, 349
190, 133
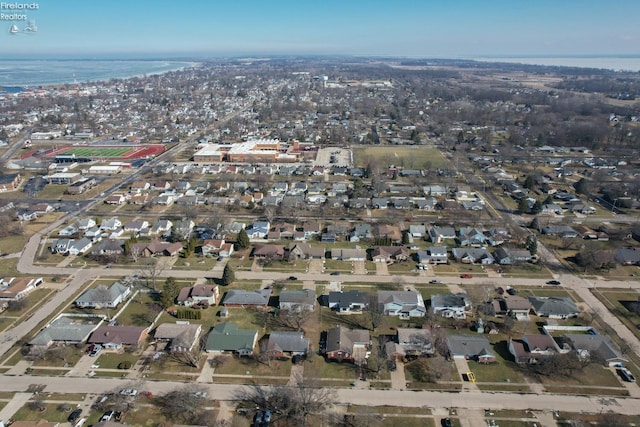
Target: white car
129, 392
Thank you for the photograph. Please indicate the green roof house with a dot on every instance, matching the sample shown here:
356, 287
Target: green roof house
227, 337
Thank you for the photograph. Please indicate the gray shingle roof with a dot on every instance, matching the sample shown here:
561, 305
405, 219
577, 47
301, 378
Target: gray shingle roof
65, 329
293, 342
240, 297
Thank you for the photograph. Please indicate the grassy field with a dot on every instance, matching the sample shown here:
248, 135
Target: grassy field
414, 157
95, 152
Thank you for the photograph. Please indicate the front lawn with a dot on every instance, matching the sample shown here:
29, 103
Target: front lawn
234, 365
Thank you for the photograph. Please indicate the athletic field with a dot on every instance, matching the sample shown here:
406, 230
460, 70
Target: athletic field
99, 152
411, 157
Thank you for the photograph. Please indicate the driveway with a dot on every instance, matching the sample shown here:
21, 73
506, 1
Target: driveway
382, 269
359, 267
316, 266
398, 377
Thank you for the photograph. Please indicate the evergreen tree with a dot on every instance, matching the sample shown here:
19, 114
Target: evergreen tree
582, 186
228, 276
532, 244
523, 205
242, 241
529, 182
170, 291
537, 207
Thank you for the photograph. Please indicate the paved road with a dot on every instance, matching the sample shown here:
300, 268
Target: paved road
465, 399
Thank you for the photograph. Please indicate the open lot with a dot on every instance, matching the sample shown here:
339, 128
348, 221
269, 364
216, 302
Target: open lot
410, 157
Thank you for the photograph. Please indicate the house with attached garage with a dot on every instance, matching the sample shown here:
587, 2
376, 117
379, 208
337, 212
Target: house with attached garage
67, 330
472, 256
510, 256
302, 300
242, 298
349, 302
532, 348
344, 344
554, 307
284, 344
439, 234
404, 304
471, 347
102, 296
198, 295
411, 342
433, 255
178, 336
80, 246
227, 337
117, 337
452, 306
389, 254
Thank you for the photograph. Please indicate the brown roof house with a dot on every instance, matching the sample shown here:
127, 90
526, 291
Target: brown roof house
14, 289
157, 247
532, 348
198, 295
346, 344
117, 337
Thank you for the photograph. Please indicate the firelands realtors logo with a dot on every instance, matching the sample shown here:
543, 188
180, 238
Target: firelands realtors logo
20, 17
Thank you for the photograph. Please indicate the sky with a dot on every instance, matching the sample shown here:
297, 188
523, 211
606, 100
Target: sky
400, 28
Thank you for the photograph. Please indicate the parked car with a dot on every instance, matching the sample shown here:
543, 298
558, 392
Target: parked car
626, 375
553, 282
257, 421
106, 416
74, 415
466, 276
129, 392
293, 278
446, 422
335, 273
267, 416
96, 350
512, 291
435, 282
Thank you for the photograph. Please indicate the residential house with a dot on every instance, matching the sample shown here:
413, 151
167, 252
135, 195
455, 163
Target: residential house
311, 229
242, 298
16, 288
389, 254
471, 236
111, 224
411, 342
302, 300
433, 255
117, 337
532, 348
346, 344
108, 248
594, 346
627, 256
80, 246
513, 305
101, 296
258, 230
61, 246
283, 230
216, 248
554, 307
157, 248
418, 231
452, 306
179, 336
349, 302
66, 329
227, 337
283, 344
85, 224
471, 347
439, 234
135, 226
472, 256
510, 256
560, 230
302, 250
348, 254
361, 231
497, 236
384, 231
161, 227
269, 252
404, 304
198, 295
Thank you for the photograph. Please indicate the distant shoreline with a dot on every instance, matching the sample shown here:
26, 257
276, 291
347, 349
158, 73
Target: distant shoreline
13, 71
614, 63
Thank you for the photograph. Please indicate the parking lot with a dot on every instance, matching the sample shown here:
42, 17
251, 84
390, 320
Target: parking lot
334, 157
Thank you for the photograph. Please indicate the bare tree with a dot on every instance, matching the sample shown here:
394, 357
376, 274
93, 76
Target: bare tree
150, 271
294, 319
293, 404
375, 311
185, 406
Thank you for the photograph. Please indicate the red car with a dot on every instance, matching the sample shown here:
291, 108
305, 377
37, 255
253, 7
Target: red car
466, 276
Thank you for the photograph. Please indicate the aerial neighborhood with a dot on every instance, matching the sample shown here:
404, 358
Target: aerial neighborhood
239, 228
